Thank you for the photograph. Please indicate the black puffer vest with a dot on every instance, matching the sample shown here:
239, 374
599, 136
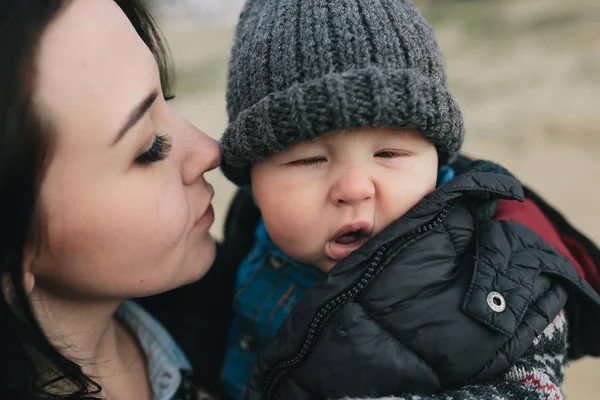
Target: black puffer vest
443, 297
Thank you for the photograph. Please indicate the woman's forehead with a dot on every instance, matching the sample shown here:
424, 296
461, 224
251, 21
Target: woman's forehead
92, 64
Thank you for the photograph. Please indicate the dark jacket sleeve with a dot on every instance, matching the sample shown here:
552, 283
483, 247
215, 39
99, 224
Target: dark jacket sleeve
537, 375
198, 315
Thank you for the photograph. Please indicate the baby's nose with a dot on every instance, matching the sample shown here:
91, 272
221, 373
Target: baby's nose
352, 187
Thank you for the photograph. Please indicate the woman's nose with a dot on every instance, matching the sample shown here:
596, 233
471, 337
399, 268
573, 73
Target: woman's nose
352, 187
202, 154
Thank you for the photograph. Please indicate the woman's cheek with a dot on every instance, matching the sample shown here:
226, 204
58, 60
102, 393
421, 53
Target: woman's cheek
165, 219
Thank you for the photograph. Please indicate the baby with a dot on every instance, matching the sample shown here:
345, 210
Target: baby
342, 124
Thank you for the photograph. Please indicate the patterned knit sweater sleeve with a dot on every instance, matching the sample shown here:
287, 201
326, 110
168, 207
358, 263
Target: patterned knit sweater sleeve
538, 375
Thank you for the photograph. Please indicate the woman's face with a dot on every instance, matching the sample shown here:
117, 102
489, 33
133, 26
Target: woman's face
124, 201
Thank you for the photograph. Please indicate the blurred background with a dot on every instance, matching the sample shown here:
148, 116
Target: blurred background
526, 74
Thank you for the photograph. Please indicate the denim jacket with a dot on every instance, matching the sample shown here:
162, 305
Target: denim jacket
169, 369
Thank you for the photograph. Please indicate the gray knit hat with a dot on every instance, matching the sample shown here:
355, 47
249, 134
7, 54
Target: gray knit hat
302, 68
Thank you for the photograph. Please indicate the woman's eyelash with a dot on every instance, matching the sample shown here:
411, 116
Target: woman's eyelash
309, 161
158, 151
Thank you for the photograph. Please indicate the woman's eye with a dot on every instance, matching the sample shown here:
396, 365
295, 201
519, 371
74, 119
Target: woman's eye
309, 161
158, 151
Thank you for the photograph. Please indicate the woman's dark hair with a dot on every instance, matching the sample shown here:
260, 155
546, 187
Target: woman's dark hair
30, 366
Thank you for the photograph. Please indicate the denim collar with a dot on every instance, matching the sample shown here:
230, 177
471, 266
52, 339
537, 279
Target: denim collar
165, 358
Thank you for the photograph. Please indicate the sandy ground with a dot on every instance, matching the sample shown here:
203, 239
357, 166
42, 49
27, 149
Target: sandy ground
527, 76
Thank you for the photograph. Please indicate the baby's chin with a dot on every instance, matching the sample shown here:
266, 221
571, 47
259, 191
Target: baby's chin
321, 261
326, 265
309, 256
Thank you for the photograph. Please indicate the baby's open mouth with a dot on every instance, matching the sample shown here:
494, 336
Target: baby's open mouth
348, 239
352, 237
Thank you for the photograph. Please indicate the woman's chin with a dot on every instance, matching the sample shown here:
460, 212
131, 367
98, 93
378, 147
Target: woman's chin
199, 264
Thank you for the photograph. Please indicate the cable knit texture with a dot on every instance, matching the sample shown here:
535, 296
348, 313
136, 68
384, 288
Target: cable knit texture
302, 68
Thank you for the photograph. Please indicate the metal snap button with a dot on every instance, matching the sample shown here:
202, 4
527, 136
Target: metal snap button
496, 302
276, 261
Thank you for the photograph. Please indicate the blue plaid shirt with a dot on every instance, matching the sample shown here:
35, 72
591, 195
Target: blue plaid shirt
268, 285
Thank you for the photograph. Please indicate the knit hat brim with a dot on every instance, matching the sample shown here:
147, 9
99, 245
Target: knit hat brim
369, 97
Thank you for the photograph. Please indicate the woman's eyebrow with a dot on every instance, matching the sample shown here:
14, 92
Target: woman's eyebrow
136, 114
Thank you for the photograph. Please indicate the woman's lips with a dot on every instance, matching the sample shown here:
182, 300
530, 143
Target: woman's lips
207, 219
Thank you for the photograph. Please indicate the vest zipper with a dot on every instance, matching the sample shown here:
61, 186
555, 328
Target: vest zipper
375, 267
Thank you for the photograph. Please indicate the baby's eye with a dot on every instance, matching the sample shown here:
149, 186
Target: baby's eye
309, 161
387, 154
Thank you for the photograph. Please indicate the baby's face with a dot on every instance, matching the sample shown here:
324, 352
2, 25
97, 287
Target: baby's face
322, 200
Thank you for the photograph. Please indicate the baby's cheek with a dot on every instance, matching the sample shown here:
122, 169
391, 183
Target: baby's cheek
283, 228
395, 206
291, 211
294, 234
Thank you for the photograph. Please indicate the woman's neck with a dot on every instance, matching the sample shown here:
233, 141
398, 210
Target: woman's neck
88, 333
